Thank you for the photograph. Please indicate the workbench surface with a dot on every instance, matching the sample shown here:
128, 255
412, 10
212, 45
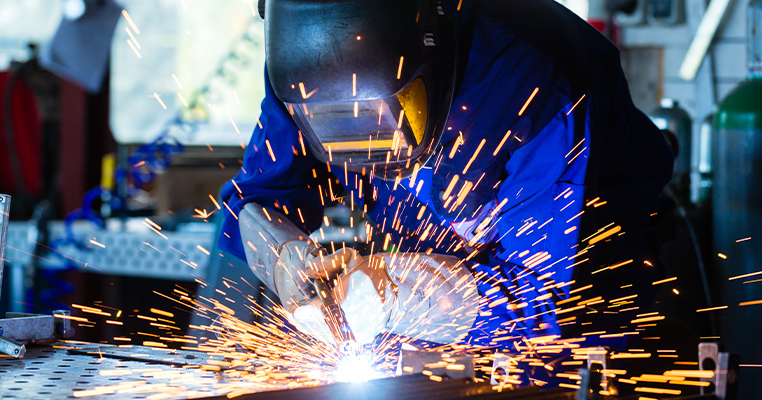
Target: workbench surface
100, 371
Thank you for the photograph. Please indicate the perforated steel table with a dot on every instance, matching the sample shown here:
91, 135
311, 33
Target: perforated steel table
48, 372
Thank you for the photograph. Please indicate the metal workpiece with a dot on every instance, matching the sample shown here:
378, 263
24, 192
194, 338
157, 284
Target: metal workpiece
19, 329
53, 373
725, 368
36, 328
12, 348
598, 361
437, 363
501, 367
171, 357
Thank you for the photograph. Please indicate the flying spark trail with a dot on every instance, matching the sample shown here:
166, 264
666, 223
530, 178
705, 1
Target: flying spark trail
129, 21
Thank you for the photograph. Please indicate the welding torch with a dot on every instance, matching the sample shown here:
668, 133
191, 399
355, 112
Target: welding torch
334, 316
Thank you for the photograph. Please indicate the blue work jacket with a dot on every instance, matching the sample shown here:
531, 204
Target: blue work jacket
566, 172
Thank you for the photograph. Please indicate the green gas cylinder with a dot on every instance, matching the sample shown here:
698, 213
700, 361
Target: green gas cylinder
737, 211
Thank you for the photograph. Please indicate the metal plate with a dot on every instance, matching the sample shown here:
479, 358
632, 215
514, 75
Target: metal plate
53, 373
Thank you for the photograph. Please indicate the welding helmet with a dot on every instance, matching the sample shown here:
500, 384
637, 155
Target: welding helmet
369, 83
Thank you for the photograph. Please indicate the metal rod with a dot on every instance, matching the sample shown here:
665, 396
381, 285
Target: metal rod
5, 209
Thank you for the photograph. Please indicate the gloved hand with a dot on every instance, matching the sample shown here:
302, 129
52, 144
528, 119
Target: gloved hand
429, 297
364, 290
437, 301
281, 255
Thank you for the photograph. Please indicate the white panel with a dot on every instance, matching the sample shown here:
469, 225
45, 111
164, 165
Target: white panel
683, 92
734, 24
673, 58
730, 60
654, 35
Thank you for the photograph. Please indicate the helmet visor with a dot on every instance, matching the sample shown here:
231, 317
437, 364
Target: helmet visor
389, 127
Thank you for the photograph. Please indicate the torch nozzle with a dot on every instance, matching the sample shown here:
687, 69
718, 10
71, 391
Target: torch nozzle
334, 318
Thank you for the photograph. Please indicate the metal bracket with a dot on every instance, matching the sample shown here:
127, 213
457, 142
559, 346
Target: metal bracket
501, 368
724, 381
597, 361
428, 39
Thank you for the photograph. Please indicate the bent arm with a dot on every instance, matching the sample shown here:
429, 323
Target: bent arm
278, 172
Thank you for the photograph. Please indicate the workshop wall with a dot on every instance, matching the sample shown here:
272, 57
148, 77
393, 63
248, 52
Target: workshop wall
728, 53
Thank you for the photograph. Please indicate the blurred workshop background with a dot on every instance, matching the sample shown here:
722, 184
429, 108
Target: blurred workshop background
121, 120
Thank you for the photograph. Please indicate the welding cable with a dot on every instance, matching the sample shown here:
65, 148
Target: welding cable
702, 269
86, 212
151, 158
699, 258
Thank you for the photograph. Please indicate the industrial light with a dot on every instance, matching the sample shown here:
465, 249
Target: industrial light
703, 39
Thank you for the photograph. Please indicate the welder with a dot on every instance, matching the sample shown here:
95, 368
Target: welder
494, 146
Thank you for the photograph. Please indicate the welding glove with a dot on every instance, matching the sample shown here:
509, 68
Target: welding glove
428, 297
363, 289
281, 255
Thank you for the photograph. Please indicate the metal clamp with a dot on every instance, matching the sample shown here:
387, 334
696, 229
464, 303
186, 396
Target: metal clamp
598, 361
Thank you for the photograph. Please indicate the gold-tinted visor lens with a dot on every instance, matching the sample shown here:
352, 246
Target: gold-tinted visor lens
391, 124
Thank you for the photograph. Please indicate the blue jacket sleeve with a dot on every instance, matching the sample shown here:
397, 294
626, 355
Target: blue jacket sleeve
536, 232
543, 196
278, 171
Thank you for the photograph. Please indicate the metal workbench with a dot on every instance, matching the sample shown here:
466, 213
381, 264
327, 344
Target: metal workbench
69, 371
146, 373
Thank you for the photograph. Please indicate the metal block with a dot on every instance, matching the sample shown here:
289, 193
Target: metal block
28, 327
35, 328
441, 364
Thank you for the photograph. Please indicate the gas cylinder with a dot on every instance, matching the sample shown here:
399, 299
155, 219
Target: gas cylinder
737, 209
676, 120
